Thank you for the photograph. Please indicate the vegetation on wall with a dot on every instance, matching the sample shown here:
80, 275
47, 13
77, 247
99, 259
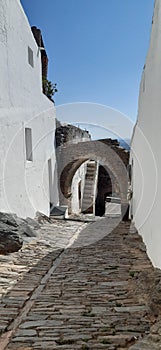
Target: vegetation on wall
49, 89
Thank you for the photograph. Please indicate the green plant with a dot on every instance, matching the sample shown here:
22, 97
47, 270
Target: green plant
49, 89
132, 273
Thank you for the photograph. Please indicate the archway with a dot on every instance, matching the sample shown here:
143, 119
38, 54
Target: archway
70, 157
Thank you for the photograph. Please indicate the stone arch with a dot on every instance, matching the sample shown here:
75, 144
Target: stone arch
67, 175
71, 156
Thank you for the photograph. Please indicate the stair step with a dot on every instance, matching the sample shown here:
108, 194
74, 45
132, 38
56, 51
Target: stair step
90, 170
87, 199
87, 206
88, 187
88, 195
87, 202
89, 181
90, 176
89, 165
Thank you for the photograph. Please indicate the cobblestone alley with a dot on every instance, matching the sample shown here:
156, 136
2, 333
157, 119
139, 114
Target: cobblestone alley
80, 286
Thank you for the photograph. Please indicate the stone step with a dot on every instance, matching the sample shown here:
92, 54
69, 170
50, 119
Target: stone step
92, 173
88, 196
89, 182
87, 200
90, 165
88, 190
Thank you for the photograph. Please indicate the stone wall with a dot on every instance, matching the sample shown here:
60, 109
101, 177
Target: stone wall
113, 159
67, 133
115, 145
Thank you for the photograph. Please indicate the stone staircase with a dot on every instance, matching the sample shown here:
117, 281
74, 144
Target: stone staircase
88, 201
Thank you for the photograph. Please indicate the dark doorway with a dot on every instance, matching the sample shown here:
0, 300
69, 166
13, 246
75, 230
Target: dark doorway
104, 189
79, 193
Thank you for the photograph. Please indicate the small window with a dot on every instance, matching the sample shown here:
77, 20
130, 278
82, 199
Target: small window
28, 143
30, 57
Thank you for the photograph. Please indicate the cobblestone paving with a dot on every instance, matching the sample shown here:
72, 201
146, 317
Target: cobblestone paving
20, 272
88, 298
50, 237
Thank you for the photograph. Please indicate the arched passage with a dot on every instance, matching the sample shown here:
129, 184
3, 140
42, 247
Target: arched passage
70, 157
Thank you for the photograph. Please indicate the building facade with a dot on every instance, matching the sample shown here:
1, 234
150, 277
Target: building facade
145, 148
28, 174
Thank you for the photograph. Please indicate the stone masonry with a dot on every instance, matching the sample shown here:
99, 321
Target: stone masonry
70, 133
101, 292
70, 158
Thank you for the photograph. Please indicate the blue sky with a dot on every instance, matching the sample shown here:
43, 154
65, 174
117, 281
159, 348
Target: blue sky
96, 49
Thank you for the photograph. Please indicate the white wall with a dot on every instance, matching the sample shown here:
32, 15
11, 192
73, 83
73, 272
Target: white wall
146, 148
78, 176
24, 185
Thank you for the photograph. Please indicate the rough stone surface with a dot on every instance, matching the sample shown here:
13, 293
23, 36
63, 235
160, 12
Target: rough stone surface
10, 241
14, 231
51, 239
26, 230
96, 296
70, 133
70, 158
33, 223
9, 219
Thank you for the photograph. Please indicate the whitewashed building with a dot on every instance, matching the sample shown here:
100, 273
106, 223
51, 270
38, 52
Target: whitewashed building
28, 174
146, 148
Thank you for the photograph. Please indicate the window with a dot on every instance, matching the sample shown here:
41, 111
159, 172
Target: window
28, 143
30, 57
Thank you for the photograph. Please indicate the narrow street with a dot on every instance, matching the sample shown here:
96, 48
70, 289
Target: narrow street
75, 296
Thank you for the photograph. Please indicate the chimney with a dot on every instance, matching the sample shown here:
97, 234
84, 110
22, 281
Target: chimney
44, 58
